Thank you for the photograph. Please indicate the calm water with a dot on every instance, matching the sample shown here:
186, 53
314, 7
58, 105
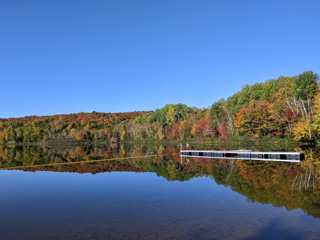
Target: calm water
156, 197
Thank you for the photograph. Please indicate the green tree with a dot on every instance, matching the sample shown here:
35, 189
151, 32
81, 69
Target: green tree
306, 85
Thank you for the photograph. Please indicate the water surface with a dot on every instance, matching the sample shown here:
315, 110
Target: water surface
158, 197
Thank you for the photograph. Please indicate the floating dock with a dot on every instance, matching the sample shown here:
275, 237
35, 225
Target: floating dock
245, 155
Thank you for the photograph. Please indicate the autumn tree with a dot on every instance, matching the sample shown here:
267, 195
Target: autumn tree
202, 128
170, 116
243, 122
175, 130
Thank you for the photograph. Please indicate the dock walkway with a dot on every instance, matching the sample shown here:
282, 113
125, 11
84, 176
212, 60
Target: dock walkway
245, 155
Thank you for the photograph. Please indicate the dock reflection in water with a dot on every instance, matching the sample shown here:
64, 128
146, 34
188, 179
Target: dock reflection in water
147, 198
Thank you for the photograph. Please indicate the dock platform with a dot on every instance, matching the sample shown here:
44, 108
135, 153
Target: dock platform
245, 155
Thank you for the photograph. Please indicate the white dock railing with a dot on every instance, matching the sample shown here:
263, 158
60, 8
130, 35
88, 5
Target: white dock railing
245, 155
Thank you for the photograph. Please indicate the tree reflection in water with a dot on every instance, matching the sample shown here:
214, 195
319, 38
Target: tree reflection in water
289, 185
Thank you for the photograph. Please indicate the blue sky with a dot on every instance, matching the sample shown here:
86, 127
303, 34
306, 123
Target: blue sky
63, 56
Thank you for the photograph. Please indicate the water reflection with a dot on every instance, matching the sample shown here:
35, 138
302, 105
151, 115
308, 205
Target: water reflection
158, 201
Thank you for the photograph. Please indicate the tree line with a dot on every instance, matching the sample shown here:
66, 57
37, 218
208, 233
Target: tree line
80, 126
287, 107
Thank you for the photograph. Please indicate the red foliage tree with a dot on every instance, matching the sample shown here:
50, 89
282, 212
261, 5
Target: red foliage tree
223, 131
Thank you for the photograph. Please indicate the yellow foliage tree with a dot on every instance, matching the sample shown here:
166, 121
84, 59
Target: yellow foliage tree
304, 129
160, 133
316, 114
80, 136
170, 116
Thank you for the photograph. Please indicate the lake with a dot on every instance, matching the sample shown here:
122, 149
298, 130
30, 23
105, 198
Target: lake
138, 191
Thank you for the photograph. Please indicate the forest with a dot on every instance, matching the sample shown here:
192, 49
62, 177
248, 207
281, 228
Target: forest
287, 107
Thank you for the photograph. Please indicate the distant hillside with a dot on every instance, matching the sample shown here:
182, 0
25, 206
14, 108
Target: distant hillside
78, 126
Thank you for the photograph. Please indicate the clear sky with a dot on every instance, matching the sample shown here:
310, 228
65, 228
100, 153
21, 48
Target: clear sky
63, 56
